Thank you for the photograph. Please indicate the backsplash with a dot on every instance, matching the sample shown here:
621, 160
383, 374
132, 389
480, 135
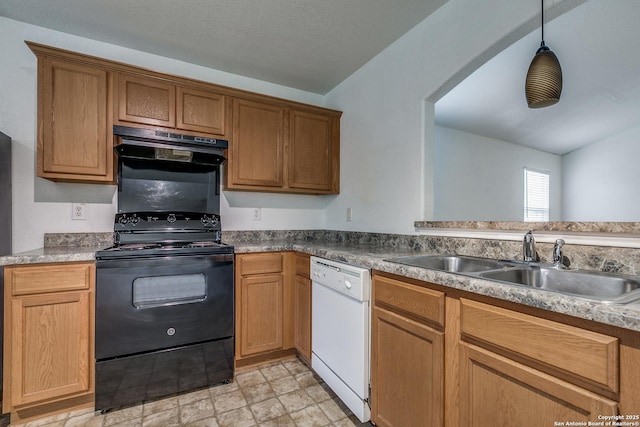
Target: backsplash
78, 239
610, 259
571, 226
603, 258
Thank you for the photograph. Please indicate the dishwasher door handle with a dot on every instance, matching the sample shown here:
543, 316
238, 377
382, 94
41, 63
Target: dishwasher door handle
332, 267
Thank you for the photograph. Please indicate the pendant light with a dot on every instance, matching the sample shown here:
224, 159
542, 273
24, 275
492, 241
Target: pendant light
544, 78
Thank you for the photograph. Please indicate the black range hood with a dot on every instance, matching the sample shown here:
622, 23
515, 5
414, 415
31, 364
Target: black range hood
154, 145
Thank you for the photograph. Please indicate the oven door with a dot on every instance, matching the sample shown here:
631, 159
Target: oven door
146, 304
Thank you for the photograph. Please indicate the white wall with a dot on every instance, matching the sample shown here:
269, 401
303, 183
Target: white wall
601, 182
387, 126
482, 179
41, 206
387, 148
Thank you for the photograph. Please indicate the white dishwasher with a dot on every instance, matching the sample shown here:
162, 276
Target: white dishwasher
340, 324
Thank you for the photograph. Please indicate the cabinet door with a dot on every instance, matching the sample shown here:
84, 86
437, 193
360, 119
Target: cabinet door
256, 155
497, 391
50, 346
261, 325
302, 315
201, 111
74, 131
313, 154
146, 100
407, 379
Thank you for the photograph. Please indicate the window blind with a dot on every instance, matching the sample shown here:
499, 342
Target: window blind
536, 196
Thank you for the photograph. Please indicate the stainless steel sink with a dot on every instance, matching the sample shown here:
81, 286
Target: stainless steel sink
593, 285
453, 263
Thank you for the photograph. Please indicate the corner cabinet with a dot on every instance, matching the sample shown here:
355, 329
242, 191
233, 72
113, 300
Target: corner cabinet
283, 148
75, 139
48, 338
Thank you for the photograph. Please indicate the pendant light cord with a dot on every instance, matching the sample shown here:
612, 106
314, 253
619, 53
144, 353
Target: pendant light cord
542, 18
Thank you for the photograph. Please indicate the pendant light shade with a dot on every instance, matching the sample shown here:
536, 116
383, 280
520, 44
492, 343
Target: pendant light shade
544, 78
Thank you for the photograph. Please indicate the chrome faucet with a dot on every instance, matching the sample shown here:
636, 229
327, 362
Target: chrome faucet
557, 253
529, 247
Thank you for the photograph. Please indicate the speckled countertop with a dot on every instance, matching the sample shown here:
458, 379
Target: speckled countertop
373, 256
52, 254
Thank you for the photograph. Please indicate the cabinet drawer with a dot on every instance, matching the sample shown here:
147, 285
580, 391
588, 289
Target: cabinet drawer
34, 279
421, 303
579, 352
303, 265
261, 263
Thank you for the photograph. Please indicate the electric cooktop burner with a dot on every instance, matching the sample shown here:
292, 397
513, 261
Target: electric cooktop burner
200, 244
137, 246
150, 234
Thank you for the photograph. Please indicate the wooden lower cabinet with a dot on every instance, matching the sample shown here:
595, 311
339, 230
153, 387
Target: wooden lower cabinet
407, 372
50, 346
407, 355
264, 313
460, 360
261, 314
497, 391
48, 338
302, 306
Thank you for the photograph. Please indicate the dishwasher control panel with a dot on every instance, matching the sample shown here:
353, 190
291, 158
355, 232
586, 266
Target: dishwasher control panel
347, 279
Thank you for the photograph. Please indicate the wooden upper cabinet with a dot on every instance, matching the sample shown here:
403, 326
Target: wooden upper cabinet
159, 102
256, 154
201, 111
74, 126
275, 145
146, 100
313, 154
279, 148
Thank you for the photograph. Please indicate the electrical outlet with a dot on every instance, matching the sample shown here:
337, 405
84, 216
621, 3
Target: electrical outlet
79, 211
257, 214
349, 214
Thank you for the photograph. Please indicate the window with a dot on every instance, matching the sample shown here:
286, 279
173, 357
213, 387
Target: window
159, 291
536, 196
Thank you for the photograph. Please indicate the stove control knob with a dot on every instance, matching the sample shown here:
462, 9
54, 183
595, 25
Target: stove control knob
206, 221
171, 218
134, 220
123, 220
214, 221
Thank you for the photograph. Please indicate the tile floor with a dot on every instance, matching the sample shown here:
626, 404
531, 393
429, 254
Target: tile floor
285, 393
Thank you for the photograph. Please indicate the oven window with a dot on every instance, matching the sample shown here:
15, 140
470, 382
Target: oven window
169, 290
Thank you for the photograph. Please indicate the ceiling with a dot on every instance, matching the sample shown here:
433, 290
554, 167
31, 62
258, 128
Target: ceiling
311, 45
597, 45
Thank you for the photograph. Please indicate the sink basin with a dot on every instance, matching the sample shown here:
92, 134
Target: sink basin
593, 285
453, 263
